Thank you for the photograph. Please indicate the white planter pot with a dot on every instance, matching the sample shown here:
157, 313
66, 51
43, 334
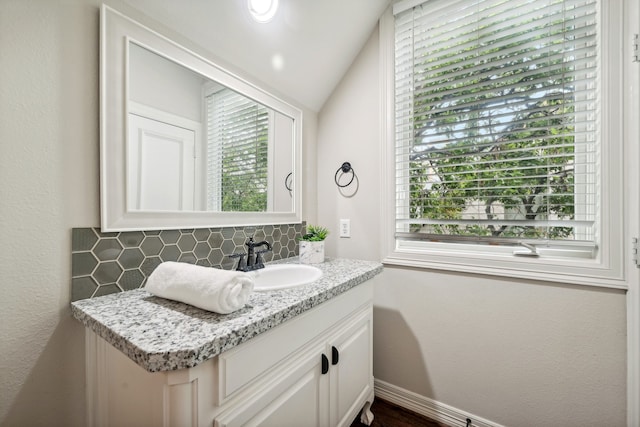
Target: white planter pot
311, 252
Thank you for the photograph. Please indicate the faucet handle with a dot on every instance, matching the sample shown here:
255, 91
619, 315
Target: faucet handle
259, 258
242, 265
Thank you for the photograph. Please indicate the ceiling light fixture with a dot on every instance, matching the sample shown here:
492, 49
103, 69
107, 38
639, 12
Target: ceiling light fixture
263, 10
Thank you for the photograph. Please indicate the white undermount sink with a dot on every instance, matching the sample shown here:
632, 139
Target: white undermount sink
281, 276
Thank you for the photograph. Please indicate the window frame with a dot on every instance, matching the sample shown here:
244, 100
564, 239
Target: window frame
606, 269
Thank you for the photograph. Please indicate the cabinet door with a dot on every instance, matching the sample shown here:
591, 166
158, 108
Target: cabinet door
352, 369
298, 398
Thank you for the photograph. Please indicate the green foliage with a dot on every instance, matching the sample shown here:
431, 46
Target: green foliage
245, 161
494, 141
315, 234
244, 181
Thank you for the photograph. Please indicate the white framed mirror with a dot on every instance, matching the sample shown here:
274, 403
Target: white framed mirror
184, 143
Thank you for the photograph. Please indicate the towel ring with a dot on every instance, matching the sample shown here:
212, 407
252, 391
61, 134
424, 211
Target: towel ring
345, 168
288, 180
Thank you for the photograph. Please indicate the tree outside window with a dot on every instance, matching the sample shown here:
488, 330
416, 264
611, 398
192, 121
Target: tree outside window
498, 146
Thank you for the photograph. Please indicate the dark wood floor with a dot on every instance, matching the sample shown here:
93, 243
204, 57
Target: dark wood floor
387, 414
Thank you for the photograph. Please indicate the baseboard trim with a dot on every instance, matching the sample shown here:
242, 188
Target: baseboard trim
422, 405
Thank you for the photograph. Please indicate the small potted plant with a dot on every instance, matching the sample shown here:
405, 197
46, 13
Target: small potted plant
312, 245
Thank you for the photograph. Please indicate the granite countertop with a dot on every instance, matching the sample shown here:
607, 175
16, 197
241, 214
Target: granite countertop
164, 335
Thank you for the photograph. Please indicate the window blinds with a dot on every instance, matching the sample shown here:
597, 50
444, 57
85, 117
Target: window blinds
496, 113
237, 153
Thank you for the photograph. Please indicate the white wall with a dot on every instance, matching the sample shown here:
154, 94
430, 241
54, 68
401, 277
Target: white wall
348, 130
182, 89
49, 183
514, 352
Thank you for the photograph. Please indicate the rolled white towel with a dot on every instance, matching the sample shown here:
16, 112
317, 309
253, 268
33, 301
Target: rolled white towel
208, 288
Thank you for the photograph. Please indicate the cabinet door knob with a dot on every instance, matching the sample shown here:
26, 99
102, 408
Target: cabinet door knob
335, 355
325, 364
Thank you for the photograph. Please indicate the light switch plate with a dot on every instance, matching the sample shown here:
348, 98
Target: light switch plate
345, 228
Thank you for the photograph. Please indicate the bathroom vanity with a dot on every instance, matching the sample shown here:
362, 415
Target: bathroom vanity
292, 357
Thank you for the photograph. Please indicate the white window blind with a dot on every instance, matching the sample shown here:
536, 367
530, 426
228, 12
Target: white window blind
496, 130
237, 153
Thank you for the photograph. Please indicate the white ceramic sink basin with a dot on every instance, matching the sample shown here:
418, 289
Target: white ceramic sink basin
281, 276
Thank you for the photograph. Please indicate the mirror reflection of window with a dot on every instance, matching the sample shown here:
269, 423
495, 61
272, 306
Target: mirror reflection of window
233, 154
237, 153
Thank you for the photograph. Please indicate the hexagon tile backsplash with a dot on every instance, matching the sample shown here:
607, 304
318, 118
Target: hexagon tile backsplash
106, 263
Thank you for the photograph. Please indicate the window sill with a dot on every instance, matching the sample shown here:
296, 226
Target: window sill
546, 269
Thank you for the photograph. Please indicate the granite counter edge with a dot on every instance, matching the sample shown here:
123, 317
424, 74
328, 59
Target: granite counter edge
189, 358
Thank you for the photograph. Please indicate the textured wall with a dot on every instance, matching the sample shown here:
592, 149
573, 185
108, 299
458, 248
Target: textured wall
48, 184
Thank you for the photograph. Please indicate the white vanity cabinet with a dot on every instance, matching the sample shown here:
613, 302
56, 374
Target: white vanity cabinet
325, 383
313, 370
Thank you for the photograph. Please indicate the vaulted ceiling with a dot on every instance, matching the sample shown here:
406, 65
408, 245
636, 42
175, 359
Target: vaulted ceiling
303, 52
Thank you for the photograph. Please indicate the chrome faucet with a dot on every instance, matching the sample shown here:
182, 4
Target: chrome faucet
255, 259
